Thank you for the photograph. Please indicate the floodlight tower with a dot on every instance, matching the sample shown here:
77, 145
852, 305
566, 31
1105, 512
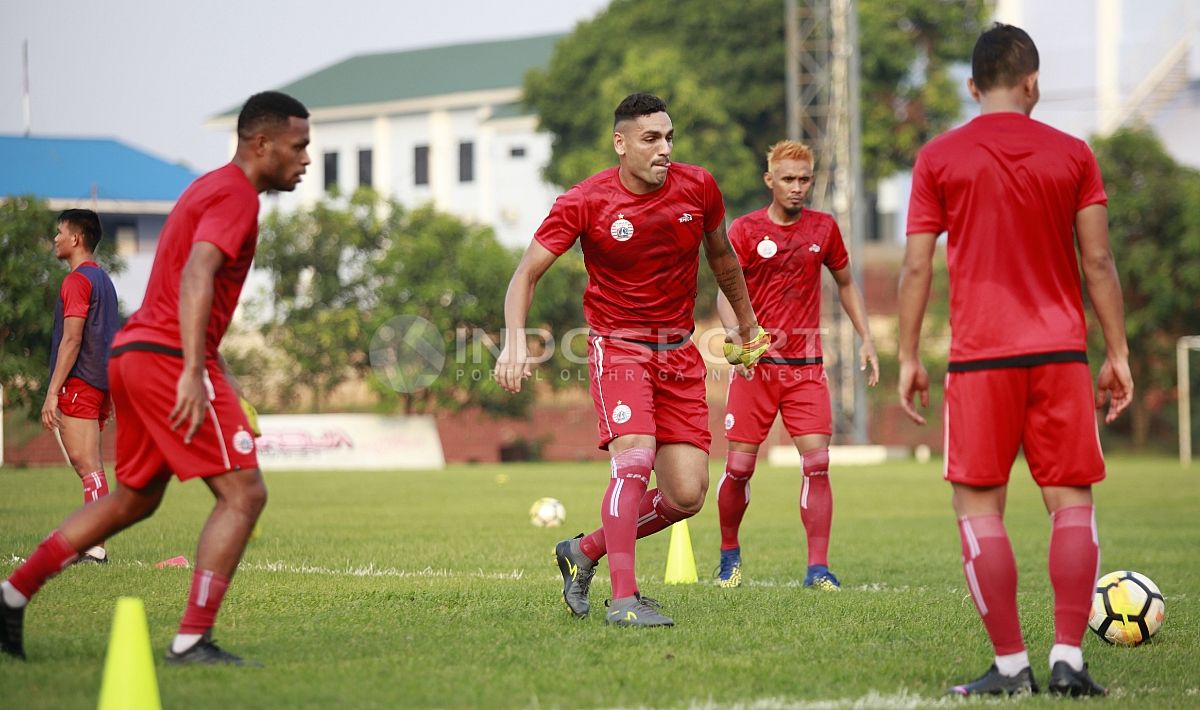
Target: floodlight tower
823, 110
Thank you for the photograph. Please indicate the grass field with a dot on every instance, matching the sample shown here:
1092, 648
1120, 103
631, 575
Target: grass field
433, 590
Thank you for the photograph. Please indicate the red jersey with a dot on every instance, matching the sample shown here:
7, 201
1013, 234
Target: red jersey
1007, 188
220, 208
782, 266
641, 251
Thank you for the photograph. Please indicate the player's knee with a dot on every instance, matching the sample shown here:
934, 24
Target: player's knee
254, 498
816, 462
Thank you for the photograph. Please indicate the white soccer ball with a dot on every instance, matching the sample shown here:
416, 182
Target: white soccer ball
1127, 608
547, 513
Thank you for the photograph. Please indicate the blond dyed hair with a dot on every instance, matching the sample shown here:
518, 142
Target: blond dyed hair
788, 150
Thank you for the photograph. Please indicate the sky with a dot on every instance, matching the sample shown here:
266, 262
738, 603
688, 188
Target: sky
151, 72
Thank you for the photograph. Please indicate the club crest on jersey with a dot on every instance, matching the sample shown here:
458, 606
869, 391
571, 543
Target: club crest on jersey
621, 413
814, 248
621, 229
685, 217
243, 442
729, 421
767, 248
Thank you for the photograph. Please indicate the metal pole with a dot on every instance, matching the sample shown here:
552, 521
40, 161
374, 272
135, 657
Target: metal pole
791, 33
858, 220
1184, 386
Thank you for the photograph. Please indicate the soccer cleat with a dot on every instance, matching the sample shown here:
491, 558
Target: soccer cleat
577, 571
1065, 680
93, 555
995, 683
207, 652
819, 577
12, 625
636, 611
729, 574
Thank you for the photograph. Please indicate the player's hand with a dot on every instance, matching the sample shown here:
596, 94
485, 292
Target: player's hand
1114, 384
51, 416
747, 351
191, 397
868, 356
744, 371
251, 416
914, 380
512, 366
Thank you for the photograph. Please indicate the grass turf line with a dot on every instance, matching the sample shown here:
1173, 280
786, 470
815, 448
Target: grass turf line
432, 590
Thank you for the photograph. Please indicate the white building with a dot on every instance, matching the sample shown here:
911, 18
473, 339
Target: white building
443, 125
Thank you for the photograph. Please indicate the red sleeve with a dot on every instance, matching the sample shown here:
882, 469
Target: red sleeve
737, 238
836, 256
926, 213
228, 222
567, 220
714, 204
1091, 185
76, 294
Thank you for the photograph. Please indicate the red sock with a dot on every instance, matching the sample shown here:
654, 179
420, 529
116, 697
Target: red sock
816, 504
204, 600
991, 572
1074, 567
50, 558
617, 535
655, 514
733, 495
95, 486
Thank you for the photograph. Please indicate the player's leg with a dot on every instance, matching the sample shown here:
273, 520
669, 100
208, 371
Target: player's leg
1063, 449
984, 417
804, 404
81, 441
84, 528
750, 408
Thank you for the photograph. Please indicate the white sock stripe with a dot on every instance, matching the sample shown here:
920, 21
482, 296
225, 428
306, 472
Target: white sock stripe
202, 592
616, 496
647, 518
747, 493
972, 541
1095, 532
973, 583
721, 485
804, 494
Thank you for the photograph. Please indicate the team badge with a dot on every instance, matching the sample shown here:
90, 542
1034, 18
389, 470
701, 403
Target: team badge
622, 229
621, 413
685, 217
729, 421
767, 248
814, 248
243, 442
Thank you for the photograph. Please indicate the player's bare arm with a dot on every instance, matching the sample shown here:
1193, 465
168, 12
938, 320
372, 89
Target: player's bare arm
68, 351
728, 272
856, 309
513, 364
1114, 383
915, 278
195, 306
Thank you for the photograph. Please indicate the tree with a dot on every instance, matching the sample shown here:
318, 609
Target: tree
735, 51
1154, 227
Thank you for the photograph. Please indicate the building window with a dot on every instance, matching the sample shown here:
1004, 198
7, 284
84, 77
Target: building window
364, 167
517, 151
331, 171
421, 165
466, 161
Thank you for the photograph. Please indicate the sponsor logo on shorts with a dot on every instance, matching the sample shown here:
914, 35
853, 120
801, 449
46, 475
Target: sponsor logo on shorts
243, 442
767, 248
621, 229
729, 421
621, 413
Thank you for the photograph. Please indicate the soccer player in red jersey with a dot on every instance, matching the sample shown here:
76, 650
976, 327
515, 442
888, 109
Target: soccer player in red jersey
782, 248
641, 225
85, 320
1017, 199
178, 414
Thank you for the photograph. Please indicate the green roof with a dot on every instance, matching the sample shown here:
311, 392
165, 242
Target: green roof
511, 110
417, 73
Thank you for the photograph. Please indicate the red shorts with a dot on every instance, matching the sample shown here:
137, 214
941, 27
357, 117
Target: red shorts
658, 393
1047, 409
799, 392
143, 390
79, 399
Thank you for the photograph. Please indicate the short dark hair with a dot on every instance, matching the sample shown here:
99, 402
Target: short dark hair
269, 109
638, 104
86, 222
1003, 56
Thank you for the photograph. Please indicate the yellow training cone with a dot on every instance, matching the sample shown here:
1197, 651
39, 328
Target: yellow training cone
681, 563
129, 682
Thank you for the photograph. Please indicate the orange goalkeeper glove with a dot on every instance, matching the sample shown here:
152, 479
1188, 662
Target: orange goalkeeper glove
251, 416
748, 353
